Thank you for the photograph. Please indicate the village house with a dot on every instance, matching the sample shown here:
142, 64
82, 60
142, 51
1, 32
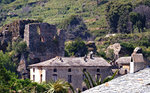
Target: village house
131, 64
70, 69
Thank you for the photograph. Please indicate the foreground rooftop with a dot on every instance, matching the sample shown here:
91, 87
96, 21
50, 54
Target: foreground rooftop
138, 82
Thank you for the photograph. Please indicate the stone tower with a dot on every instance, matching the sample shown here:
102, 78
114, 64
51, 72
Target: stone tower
43, 41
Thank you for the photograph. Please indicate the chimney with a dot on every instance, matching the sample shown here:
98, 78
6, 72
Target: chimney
91, 55
60, 58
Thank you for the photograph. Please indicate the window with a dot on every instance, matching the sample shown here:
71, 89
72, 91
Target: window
55, 70
41, 78
98, 76
69, 70
33, 77
33, 69
98, 70
84, 70
55, 77
69, 78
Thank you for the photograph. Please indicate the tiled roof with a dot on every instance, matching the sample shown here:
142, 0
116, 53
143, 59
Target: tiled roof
73, 61
138, 82
124, 60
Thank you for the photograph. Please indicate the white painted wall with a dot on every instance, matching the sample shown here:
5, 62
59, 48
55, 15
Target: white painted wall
37, 74
136, 66
44, 75
131, 67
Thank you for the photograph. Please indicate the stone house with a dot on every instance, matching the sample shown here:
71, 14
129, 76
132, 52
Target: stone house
131, 64
70, 69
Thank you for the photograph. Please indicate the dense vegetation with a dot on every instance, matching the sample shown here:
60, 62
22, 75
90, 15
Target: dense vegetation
76, 48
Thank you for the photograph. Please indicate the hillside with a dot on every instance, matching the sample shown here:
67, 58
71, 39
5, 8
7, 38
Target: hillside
55, 11
129, 19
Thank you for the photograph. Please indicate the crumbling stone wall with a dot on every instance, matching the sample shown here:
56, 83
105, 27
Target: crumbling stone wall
12, 31
43, 41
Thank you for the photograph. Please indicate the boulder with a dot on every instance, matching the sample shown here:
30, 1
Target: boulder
116, 49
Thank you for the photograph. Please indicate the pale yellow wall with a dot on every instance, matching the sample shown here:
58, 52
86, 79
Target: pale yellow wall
126, 67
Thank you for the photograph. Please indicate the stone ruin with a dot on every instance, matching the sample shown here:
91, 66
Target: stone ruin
43, 40
12, 31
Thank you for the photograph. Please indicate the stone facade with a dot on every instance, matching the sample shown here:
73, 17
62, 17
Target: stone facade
76, 74
69, 69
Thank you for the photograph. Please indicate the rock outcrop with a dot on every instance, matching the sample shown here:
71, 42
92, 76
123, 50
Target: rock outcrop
116, 49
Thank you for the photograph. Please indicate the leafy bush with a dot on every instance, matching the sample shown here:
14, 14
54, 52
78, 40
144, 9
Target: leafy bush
17, 46
76, 48
75, 28
117, 16
5, 60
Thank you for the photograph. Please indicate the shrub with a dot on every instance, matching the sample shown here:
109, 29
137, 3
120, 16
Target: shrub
76, 48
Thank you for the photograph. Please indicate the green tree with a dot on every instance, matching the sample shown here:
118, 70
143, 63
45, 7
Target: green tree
5, 60
75, 28
117, 16
76, 48
137, 20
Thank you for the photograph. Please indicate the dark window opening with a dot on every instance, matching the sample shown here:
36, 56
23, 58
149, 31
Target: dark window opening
41, 78
69, 78
84, 70
126, 71
69, 70
33, 69
120, 66
33, 77
98, 70
98, 76
55, 70
55, 77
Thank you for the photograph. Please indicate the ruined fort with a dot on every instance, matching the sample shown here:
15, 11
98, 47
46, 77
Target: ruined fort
43, 40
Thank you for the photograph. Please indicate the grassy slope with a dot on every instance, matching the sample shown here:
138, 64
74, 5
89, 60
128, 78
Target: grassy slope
54, 11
